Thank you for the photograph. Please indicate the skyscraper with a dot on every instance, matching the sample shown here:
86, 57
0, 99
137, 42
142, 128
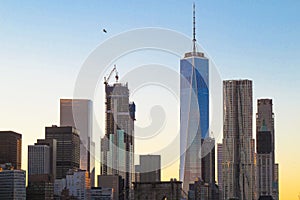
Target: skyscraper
78, 113
265, 138
220, 161
68, 148
238, 144
10, 148
52, 144
117, 146
38, 159
194, 112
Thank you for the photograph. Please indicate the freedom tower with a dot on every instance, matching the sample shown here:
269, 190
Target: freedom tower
194, 112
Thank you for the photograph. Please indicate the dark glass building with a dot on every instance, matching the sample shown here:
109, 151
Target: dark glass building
68, 148
10, 148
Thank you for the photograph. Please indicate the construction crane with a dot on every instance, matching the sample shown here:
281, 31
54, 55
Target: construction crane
106, 79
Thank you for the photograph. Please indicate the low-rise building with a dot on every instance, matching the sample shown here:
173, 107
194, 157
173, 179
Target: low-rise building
158, 190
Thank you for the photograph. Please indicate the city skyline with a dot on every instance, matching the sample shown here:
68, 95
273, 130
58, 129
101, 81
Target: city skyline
279, 72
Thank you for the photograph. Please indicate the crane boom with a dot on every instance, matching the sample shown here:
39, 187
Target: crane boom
110, 74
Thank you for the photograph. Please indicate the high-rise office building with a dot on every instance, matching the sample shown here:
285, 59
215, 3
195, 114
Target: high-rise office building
208, 160
220, 161
149, 169
68, 148
276, 182
78, 113
265, 147
12, 182
10, 148
38, 159
41, 169
117, 146
194, 112
238, 144
52, 144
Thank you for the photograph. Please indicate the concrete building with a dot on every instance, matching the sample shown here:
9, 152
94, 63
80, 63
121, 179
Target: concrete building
98, 193
265, 147
115, 182
12, 183
10, 148
201, 190
117, 146
158, 190
238, 144
68, 148
40, 187
79, 184
149, 169
38, 159
220, 163
194, 111
76, 185
52, 144
78, 113
41, 169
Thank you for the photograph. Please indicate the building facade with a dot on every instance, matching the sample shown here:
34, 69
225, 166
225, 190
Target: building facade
265, 148
10, 148
115, 182
68, 148
194, 112
238, 144
78, 184
158, 190
149, 169
41, 170
117, 146
52, 144
220, 163
78, 113
12, 183
98, 193
38, 159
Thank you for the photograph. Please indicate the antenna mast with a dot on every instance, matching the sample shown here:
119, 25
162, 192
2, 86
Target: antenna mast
194, 29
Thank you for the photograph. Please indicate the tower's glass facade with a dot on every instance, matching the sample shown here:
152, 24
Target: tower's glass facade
194, 114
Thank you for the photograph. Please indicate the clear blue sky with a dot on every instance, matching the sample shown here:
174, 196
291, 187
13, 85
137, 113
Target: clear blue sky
44, 43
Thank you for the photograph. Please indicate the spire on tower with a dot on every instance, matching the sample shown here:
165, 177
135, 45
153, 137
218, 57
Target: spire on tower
194, 29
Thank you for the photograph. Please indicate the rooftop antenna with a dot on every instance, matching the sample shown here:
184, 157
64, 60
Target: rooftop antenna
194, 29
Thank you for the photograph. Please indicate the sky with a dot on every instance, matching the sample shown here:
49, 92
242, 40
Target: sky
43, 45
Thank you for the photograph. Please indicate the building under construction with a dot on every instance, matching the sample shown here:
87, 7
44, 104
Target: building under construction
117, 146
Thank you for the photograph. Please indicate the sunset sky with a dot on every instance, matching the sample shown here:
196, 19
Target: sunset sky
43, 45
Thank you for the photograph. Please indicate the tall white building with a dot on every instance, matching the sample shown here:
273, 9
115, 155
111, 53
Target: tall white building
12, 184
238, 144
78, 113
38, 159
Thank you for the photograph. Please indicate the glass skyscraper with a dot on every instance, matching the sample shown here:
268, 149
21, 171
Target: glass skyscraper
194, 112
